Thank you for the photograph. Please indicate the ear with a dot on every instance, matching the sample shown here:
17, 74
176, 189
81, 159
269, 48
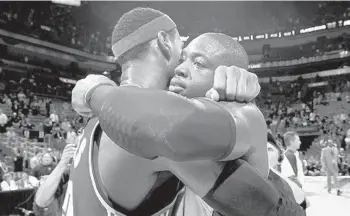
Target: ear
164, 44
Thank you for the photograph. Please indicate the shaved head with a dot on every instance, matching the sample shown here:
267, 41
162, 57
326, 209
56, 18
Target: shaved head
201, 58
224, 47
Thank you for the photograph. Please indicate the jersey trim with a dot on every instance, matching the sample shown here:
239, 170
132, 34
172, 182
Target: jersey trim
106, 205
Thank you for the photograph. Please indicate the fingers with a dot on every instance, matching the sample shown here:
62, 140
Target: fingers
258, 87
212, 94
253, 87
233, 83
69, 148
70, 145
220, 81
69, 155
241, 85
69, 152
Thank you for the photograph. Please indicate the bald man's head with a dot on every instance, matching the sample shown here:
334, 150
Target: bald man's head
224, 47
199, 60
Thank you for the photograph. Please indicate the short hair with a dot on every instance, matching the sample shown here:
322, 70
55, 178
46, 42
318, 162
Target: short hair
277, 145
237, 51
130, 22
288, 137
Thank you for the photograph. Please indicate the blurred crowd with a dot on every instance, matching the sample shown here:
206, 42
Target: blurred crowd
54, 23
33, 132
322, 111
311, 49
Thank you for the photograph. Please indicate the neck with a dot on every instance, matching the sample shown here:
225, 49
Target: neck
291, 149
145, 74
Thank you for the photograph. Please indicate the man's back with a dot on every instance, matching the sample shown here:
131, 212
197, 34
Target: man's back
87, 195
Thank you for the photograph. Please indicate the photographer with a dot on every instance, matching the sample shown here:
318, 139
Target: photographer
50, 194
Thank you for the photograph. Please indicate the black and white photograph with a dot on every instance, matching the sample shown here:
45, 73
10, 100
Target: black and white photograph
174, 108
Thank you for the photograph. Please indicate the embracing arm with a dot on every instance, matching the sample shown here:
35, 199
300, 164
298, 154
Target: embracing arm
152, 123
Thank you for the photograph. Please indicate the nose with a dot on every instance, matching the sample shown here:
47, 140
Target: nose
181, 71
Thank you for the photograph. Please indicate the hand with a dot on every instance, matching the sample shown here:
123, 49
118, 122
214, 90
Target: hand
67, 155
83, 90
234, 84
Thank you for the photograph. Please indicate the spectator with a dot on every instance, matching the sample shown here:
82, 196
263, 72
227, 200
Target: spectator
58, 137
3, 121
54, 117
8, 184
25, 181
12, 136
3, 170
49, 196
35, 107
45, 167
34, 162
48, 107
275, 152
65, 125
329, 160
15, 121
18, 161
292, 166
47, 126
275, 156
65, 106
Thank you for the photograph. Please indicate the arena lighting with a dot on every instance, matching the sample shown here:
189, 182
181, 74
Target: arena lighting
312, 29
253, 66
318, 84
66, 80
346, 23
274, 35
260, 36
68, 2
331, 25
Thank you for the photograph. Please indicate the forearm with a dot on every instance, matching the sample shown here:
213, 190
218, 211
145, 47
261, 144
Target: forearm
241, 190
50, 210
45, 193
153, 123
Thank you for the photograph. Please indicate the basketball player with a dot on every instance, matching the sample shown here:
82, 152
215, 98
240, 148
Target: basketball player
106, 179
192, 134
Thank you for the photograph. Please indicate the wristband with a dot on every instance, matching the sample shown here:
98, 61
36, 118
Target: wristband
88, 94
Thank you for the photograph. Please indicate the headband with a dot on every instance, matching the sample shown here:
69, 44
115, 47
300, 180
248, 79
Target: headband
143, 34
